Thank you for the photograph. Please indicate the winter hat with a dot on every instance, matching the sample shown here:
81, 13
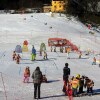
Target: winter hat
66, 64
78, 76
38, 68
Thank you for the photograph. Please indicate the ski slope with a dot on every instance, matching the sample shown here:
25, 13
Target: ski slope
15, 28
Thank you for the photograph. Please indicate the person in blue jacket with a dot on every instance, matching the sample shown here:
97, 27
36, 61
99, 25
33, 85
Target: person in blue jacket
33, 56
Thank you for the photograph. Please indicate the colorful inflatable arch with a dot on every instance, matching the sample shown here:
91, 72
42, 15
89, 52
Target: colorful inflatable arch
18, 49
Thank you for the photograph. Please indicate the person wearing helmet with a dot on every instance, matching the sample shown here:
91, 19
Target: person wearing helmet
75, 85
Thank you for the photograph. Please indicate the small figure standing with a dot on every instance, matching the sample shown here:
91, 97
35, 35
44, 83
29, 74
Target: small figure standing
26, 75
54, 48
70, 92
75, 85
14, 55
94, 61
37, 80
99, 62
45, 55
33, 56
81, 84
68, 49
80, 55
61, 49
17, 59
51, 48
89, 84
44, 79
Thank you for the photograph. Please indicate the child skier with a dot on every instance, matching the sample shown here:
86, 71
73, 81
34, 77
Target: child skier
99, 62
33, 56
17, 59
51, 49
80, 55
68, 88
89, 84
26, 75
45, 55
81, 84
70, 92
94, 61
54, 48
75, 85
14, 55
44, 79
68, 49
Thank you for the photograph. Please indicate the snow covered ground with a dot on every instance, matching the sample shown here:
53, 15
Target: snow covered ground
16, 28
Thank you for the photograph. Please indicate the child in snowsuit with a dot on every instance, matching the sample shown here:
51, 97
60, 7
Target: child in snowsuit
89, 84
68, 89
61, 49
33, 56
80, 55
14, 55
17, 59
70, 92
51, 49
99, 62
68, 50
45, 55
44, 78
26, 75
81, 84
75, 85
94, 61
54, 48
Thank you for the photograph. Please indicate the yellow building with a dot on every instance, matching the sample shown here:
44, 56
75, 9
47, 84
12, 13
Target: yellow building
58, 6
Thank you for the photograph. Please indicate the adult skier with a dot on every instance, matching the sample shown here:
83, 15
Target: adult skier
66, 73
37, 79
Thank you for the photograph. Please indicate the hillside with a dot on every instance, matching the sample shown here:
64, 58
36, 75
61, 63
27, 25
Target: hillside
15, 28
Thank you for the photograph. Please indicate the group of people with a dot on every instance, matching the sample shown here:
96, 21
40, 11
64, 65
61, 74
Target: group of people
37, 80
72, 86
16, 57
76, 84
33, 57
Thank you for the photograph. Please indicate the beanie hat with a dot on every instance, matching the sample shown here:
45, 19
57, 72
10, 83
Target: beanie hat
66, 64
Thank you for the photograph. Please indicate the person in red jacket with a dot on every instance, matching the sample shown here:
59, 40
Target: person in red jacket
14, 55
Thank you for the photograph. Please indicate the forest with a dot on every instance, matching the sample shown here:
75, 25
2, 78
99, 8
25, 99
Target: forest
17, 4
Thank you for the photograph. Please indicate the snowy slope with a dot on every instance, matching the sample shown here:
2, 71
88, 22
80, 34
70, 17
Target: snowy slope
14, 29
